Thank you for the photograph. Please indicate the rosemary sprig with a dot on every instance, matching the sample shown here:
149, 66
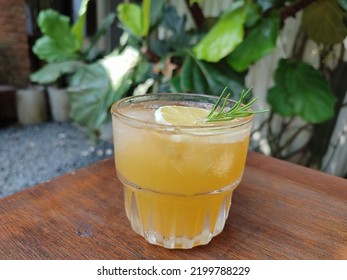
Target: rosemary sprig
236, 111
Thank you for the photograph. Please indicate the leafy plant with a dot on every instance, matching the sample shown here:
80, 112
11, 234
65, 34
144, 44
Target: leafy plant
300, 90
61, 45
167, 55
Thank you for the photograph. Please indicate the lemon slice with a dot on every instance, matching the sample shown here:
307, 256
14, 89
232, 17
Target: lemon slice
181, 115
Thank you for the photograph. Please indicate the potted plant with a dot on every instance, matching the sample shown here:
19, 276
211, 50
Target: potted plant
62, 48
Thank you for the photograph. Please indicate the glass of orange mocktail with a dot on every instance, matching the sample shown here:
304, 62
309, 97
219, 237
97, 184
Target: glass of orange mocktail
178, 171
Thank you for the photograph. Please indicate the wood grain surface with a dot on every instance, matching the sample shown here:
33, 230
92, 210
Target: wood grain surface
279, 211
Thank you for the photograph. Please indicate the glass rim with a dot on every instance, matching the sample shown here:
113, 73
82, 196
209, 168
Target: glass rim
156, 97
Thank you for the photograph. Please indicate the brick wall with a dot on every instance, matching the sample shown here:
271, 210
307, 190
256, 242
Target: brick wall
14, 54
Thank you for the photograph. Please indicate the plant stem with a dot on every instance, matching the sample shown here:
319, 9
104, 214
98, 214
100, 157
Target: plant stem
284, 127
292, 138
261, 126
272, 141
334, 149
197, 14
300, 150
299, 45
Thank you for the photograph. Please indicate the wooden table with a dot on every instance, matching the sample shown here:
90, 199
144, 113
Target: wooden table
279, 211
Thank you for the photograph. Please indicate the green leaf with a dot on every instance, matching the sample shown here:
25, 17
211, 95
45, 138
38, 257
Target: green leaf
178, 39
223, 38
48, 50
95, 87
78, 27
131, 17
260, 41
208, 78
279, 97
300, 90
253, 14
143, 71
91, 96
58, 42
51, 72
57, 28
146, 17
323, 22
187, 81
173, 21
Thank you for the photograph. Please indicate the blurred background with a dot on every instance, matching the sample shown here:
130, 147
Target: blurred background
63, 63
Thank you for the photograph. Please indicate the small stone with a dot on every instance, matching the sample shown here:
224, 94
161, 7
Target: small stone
61, 135
108, 152
84, 153
100, 153
91, 149
32, 144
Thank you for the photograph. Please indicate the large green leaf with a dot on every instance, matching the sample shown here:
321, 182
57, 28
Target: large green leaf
48, 50
94, 88
131, 17
178, 39
58, 42
260, 41
208, 78
223, 38
135, 18
253, 14
279, 97
300, 90
57, 27
90, 89
51, 72
323, 22
78, 27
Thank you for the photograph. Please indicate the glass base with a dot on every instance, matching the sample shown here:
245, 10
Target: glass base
175, 241
177, 221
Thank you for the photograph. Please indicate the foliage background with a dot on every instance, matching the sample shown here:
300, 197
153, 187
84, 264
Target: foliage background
184, 46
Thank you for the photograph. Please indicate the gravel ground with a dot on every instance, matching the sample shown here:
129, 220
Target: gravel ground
33, 154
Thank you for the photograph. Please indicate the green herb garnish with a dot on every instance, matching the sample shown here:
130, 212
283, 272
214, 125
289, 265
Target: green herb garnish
238, 110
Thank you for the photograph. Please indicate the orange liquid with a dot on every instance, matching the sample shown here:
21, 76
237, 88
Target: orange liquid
183, 182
